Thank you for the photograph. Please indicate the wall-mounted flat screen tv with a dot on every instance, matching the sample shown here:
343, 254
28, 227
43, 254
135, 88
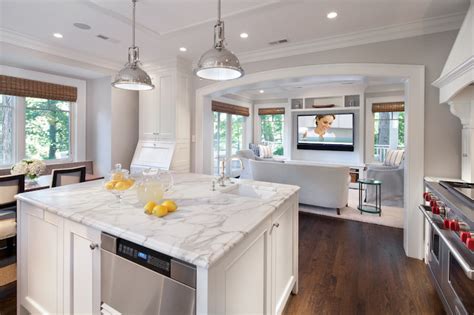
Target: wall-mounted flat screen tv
332, 132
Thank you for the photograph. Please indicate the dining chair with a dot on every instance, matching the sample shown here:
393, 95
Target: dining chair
68, 176
10, 185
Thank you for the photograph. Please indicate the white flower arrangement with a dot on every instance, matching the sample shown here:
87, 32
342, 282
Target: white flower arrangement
31, 168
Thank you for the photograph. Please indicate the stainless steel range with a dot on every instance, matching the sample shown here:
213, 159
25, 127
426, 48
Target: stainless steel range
449, 210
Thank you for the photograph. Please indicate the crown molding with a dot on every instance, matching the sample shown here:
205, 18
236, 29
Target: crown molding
25, 41
460, 70
397, 31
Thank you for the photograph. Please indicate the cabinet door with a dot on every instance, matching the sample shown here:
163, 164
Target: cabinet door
283, 267
40, 262
167, 119
81, 269
149, 111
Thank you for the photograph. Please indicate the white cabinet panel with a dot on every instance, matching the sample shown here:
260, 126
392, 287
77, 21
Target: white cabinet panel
82, 269
282, 252
40, 261
245, 281
167, 120
149, 112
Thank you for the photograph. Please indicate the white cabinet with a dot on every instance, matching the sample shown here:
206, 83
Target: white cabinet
165, 112
284, 254
81, 269
59, 269
258, 275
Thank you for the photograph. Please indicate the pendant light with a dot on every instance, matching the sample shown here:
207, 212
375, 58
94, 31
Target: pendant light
132, 76
219, 63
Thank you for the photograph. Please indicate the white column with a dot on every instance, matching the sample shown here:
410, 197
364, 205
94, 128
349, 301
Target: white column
462, 106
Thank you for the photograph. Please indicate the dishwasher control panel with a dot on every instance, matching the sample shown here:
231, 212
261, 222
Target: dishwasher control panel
145, 257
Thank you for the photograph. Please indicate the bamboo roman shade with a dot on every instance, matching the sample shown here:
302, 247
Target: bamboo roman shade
271, 111
230, 109
30, 88
388, 107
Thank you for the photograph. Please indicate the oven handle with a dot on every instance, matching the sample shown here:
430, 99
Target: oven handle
464, 265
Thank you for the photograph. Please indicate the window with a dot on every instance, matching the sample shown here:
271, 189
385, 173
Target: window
34, 128
272, 129
47, 129
389, 133
7, 125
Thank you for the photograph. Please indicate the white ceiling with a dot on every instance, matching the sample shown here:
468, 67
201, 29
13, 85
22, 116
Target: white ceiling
165, 25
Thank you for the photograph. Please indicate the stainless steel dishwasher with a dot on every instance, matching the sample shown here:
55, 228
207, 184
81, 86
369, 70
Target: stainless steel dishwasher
138, 280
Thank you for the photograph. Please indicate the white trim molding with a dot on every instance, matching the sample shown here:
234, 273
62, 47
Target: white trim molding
414, 76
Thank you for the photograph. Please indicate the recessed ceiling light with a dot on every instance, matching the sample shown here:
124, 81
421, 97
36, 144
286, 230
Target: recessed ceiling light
183, 49
261, 91
82, 26
332, 15
58, 35
244, 35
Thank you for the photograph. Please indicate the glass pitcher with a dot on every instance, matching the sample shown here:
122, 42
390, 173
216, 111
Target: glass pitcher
153, 184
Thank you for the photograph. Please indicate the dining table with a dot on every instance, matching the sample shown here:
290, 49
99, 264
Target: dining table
44, 182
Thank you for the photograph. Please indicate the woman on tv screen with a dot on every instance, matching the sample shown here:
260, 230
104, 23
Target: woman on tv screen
323, 124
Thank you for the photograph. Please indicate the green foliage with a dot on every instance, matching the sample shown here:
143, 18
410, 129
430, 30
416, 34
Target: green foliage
47, 128
272, 127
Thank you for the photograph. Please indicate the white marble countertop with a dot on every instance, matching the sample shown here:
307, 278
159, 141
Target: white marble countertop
206, 225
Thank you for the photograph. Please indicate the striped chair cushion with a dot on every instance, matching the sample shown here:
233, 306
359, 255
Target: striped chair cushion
265, 151
394, 157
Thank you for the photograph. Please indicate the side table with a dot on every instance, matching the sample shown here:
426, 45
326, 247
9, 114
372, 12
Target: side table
370, 208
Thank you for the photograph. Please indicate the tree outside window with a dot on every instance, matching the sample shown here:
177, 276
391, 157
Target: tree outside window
6, 129
389, 133
47, 129
272, 129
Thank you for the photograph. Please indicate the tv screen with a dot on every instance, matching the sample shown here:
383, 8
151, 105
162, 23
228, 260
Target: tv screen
333, 132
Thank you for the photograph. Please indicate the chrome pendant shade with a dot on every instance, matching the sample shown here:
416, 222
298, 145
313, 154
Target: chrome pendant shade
219, 63
132, 76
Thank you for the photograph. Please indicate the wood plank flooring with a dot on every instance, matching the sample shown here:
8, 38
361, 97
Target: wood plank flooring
349, 267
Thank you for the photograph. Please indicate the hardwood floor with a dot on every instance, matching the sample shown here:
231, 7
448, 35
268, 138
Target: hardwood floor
349, 267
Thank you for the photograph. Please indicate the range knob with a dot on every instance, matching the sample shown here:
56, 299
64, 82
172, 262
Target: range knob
427, 196
433, 201
466, 235
470, 243
435, 209
454, 225
446, 223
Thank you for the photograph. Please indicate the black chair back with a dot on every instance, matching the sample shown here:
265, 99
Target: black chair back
10, 185
67, 176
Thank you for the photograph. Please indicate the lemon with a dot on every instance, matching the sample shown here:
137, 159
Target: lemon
130, 182
149, 207
160, 211
170, 204
109, 185
122, 185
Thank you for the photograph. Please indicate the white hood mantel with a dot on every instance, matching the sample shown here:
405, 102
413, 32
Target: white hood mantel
456, 88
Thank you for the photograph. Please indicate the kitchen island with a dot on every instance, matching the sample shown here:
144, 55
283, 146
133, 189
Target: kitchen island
242, 240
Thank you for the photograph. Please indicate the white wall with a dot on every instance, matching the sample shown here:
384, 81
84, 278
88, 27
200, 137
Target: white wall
112, 125
79, 111
99, 123
442, 129
124, 126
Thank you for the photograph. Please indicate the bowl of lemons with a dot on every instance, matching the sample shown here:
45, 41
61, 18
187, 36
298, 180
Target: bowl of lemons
118, 181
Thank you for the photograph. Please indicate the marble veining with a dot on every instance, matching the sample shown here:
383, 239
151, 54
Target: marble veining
207, 224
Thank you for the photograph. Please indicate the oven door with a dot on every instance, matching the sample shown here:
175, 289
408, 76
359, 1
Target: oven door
461, 288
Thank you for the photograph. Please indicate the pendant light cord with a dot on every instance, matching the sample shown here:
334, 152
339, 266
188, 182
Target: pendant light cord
133, 22
219, 11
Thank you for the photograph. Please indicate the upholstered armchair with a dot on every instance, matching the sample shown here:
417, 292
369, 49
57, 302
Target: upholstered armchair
391, 173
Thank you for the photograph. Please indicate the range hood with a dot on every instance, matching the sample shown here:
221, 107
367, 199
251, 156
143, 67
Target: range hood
456, 88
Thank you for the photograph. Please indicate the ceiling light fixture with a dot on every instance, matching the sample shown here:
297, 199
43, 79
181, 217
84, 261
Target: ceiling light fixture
262, 91
183, 49
332, 15
58, 35
244, 35
132, 76
82, 26
218, 63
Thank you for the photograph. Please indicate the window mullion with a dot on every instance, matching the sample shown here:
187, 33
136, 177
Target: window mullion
20, 141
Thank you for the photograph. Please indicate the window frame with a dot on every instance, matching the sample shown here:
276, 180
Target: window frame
287, 130
19, 123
